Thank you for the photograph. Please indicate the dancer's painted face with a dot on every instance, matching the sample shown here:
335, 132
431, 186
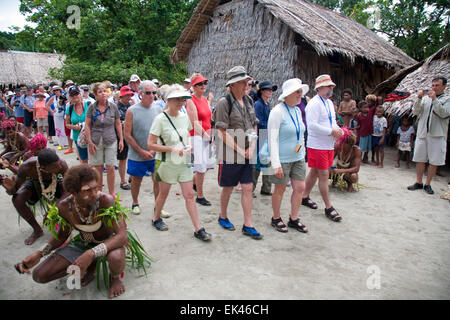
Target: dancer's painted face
89, 192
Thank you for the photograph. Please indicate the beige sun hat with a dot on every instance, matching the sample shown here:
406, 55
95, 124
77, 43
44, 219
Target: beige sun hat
292, 85
178, 93
324, 81
237, 74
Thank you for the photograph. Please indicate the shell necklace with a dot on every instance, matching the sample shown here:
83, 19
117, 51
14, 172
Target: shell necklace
90, 217
49, 192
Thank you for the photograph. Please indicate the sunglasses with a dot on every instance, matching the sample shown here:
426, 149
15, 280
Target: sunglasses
150, 92
202, 83
74, 94
180, 99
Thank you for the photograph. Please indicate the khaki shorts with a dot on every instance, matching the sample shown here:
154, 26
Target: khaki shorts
430, 149
42, 122
292, 170
105, 155
174, 173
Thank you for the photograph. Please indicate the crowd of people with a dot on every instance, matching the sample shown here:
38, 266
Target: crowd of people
175, 134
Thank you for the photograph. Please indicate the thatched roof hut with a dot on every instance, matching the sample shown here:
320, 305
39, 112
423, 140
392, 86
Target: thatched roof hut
28, 67
436, 65
280, 39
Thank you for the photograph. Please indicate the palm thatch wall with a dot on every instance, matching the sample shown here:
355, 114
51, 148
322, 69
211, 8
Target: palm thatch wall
277, 40
436, 65
28, 67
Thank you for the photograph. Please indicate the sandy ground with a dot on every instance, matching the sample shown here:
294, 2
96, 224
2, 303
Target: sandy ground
389, 236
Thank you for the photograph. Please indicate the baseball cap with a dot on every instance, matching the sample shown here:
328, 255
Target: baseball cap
134, 78
126, 90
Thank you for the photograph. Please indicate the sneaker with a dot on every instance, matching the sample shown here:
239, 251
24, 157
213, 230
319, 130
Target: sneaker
203, 202
165, 214
116, 168
202, 235
415, 186
254, 195
160, 225
251, 232
68, 151
125, 186
226, 224
135, 209
428, 189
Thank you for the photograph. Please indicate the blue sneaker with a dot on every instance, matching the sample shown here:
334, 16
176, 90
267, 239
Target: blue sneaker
251, 232
226, 224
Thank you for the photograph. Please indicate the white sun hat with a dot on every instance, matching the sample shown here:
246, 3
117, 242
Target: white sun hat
179, 93
292, 85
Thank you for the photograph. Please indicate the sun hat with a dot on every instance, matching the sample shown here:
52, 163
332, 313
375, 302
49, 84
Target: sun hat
187, 80
84, 87
134, 78
38, 93
23, 89
69, 82
55, 88
155, 81
126, 90
324, 81
198, 79
292, 85
237, 74
179, 93
267, 85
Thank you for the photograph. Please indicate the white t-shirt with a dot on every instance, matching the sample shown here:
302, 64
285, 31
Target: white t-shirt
378, 126
321, 120
405, 136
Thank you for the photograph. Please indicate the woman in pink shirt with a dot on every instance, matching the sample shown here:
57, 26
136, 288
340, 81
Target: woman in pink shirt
40, 112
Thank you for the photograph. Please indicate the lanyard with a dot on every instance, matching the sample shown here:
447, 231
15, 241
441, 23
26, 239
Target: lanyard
296, 124
328, 109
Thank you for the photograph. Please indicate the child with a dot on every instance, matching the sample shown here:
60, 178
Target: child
379, 135
405, 138
347, 107
372, 102
365, 129
40, 112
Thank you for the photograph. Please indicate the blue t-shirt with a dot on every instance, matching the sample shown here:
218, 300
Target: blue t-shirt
18, 109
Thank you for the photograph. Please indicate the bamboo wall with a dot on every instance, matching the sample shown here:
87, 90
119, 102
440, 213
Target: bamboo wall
245, 33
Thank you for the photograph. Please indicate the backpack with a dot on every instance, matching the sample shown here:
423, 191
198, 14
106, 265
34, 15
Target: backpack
230, 106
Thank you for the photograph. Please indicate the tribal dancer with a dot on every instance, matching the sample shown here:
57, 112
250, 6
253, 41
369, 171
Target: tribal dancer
38, 177
103, 234
16, 143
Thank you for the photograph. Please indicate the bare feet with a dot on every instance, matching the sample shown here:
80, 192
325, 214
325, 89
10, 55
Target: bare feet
397, 165
407, 165
350, 188
380, 166
34, 236
117, 287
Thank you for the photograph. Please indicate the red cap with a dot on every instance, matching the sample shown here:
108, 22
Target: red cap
198, 79
126, 90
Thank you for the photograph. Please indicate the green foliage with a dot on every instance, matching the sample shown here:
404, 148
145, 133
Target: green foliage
55, 220
114, 213
115, 38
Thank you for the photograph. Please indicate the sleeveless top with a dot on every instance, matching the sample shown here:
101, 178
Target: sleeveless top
203, 113
142, 122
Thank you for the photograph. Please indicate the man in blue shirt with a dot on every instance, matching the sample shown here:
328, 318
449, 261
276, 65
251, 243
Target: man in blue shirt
27, 102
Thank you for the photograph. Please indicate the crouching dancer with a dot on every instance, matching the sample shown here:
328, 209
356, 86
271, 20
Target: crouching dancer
83, 210
38, 180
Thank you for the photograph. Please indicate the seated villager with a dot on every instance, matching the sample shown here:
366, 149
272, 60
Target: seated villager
16, 143
348, 161
39, 179
103, 234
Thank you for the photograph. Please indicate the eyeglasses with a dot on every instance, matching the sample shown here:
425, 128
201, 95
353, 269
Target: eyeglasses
150, 92
202, 83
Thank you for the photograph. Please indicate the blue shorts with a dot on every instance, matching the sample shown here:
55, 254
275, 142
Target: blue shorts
376, 142
365, 143
140, 168
230, 175
82, 152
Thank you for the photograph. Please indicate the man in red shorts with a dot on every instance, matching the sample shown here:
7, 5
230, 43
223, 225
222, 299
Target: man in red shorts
322, 134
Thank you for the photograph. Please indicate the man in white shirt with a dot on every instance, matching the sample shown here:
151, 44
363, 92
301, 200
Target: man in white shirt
322, 134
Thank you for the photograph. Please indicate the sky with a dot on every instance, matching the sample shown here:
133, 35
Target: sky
10, 15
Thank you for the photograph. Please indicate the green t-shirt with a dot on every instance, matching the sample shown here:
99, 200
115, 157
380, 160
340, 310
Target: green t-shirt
77, 119
161, 127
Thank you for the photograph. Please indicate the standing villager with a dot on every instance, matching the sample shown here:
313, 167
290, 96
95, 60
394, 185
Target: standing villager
322, 134
75, 120
138, 122
287, 153
169, 137
102, 124
262, 112
38, 177
83, 211
199, 112
405, 139
234, 115
347, 107
433, 112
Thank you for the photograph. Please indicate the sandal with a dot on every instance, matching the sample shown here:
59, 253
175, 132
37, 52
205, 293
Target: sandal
296, 224
281, 228
335, 217
309, 203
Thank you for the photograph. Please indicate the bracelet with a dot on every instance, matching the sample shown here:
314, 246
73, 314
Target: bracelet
101, 250
45, 251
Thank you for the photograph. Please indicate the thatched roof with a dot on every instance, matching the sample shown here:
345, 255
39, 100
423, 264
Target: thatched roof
31, 68
436, 65
326, 31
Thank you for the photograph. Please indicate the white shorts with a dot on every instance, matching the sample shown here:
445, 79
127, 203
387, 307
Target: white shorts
105, 155
204, 157
430, 149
